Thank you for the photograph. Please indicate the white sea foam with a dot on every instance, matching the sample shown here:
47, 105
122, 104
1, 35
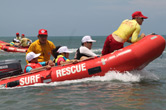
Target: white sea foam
111, 76
133, 76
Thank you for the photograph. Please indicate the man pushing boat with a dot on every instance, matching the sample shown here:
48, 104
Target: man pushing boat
127, 29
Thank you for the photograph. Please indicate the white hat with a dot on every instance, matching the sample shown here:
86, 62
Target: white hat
87, 39
64, 49
31, 55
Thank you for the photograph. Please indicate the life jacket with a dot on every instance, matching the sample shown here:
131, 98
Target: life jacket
78, 55
11, 43
60, 56
32, 65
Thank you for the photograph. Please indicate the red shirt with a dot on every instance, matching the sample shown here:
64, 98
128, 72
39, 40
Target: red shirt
32, 65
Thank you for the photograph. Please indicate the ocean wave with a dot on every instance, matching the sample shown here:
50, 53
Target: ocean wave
3, 53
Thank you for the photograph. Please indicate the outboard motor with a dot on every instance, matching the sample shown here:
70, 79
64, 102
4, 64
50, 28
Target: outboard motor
10, 68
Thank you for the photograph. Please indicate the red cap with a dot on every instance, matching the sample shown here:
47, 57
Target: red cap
17, 33
138, 14
22, 35
42, 32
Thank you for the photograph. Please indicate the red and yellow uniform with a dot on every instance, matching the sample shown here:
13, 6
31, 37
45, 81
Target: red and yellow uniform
44, 49
127, 29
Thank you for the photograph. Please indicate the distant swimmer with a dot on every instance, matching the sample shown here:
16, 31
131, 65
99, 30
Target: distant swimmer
128, 29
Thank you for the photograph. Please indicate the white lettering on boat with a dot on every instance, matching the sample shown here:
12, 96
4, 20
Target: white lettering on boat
29, 80
71, 70
3, 66
10, 48
21, 50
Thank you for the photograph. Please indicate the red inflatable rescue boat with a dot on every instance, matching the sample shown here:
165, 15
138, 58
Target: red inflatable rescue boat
6, 48
133, 57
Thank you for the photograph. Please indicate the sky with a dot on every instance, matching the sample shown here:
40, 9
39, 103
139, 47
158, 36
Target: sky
78, 17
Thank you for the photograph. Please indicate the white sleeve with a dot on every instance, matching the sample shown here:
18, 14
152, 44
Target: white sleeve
86, 51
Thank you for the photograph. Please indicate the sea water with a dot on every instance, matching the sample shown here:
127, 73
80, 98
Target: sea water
134, 90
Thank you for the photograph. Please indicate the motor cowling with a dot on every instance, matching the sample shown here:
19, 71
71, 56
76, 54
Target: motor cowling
10, 68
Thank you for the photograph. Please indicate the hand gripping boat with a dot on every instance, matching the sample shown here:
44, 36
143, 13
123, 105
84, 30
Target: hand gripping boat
133, 57
6, 48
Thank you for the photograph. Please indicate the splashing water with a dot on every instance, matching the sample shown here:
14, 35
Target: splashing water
133, 76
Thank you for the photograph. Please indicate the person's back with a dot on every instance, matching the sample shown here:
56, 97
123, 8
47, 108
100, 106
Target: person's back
24, 42
127, 29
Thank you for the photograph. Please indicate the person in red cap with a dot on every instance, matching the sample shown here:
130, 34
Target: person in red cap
22, 35
42, 46
128, 29
25, 42
18, 36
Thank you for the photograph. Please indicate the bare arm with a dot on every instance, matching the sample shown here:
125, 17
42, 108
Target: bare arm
69, 62
41, 68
